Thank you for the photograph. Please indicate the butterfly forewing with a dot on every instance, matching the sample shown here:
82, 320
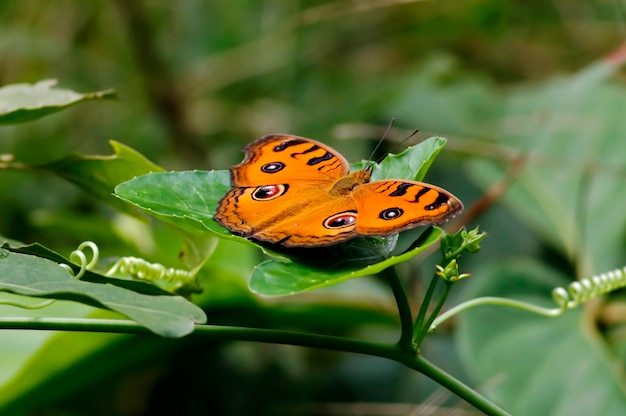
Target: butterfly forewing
283, 159
388, 207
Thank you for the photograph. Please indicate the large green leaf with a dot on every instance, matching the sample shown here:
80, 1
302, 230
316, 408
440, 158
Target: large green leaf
25, 102
571, 190
98, 175
185, 199
276, 278
171, 316
535, 365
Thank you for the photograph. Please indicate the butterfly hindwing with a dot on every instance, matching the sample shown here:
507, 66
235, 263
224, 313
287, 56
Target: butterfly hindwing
390, 206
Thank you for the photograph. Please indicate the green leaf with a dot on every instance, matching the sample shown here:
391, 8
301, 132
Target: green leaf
412, 163
275, 278
5, 240
38, 250
543, 366
98, 175
25, 102
569, 191
185, 199
452, 245
23, 274
440, 96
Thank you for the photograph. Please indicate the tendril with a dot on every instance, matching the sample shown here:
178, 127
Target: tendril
583, 290
151, 271
566, 298
79, 258
134, 266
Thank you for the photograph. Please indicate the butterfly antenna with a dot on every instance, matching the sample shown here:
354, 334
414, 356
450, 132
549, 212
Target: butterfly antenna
409, 136
397, 144
393, 120
380, 142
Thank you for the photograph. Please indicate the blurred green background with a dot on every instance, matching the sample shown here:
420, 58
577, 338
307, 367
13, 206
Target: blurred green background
531, 96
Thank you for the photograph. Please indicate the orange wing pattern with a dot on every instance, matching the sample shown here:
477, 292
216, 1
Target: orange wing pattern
281, 192
295, 221
298, 192
388, 207
284, 159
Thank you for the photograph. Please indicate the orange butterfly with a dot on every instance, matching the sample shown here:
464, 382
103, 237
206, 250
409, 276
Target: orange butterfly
298, 192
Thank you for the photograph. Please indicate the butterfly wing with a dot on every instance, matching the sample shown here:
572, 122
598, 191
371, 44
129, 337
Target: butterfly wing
390, 206
300, 215
281, 193
282, 159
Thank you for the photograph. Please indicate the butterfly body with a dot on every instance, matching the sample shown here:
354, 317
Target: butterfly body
298, 192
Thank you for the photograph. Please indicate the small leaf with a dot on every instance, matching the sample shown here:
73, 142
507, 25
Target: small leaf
170, 316
275, 278
98, 175
25, 102
452, 245
412, 163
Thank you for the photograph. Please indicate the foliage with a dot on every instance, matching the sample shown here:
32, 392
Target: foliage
529, 96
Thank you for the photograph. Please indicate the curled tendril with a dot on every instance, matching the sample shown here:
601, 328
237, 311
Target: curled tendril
79, 258
151, 271
129, 265
576, 293
583, 290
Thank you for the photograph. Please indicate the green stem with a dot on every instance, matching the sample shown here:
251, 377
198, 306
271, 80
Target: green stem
421, 316
444, 379
490, 300
404, 307
119, 326
392, 352
302, 339
423, 330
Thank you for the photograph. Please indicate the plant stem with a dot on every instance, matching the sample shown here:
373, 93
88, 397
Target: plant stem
490, 300
390, 351
423, 330
118, 326
404, 307
444, 379
421, 316
302, 339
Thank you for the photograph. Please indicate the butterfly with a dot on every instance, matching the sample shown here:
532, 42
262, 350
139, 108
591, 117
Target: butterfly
299, 192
